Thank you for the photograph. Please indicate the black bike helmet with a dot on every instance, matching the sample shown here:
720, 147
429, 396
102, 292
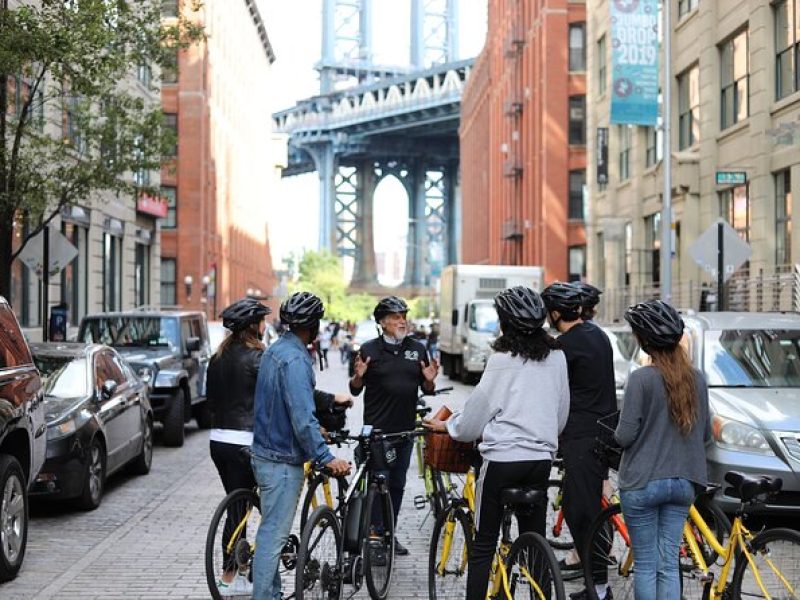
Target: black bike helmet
388, 306
521, 308
243, 312
657, 324
566, 298
591, 294
302, 309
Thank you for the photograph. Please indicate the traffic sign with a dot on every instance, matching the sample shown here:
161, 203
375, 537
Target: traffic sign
735, 251
731, 177
62, 252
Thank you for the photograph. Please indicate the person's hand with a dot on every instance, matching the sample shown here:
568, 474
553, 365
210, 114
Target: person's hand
339, 467
435, 425
361, 366
343, 399
429, 372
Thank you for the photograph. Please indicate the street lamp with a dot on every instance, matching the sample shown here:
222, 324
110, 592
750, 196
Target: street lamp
188, 281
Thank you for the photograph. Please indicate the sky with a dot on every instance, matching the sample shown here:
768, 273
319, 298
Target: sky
294, 28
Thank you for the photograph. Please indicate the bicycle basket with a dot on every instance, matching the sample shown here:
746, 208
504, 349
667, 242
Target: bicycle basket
607, 449
443, 453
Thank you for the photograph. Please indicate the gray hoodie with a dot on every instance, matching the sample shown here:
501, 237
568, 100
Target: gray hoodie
519, 408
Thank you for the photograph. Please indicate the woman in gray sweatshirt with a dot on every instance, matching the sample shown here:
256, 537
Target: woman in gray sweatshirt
518, 411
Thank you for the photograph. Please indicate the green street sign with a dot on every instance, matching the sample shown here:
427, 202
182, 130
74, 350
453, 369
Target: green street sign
731, 177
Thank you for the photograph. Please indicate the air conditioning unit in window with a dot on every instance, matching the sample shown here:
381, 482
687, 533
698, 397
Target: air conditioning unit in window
512, 229
515, 40
512, 168
512, 108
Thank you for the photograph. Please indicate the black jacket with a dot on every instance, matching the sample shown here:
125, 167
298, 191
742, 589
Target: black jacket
231, 387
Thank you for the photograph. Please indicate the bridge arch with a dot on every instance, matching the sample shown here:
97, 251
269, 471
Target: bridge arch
390, 228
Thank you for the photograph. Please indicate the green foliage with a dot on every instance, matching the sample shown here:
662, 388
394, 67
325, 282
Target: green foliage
422, 307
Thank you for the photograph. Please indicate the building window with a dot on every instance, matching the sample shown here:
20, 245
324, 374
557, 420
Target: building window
735, 80
112, 272
577, 181
783, 217
169, 70
577, 263
624, 134
577, 46
686, 6
787, 47
169, 272
735, 207
652, 232
171, 124
74, 276
601, 65
141, 271
171, 195
144, 74
655, 145
689, 107
169, 8
577, 120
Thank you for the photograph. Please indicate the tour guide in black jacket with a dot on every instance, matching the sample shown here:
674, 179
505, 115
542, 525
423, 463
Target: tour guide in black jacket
392, 367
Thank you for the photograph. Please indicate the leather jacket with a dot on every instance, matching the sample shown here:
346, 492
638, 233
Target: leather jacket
231, 386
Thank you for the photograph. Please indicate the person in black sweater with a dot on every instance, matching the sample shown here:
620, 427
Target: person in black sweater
590, 366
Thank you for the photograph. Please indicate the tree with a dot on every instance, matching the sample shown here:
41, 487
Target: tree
71, 126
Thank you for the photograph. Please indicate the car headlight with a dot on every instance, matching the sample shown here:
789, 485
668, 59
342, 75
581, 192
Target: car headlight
735, 435
62, 429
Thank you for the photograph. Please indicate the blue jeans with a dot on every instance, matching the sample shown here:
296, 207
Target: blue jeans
655, 515
280, 485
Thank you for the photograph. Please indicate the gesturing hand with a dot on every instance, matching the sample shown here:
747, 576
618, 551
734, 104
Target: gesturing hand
343, 399
361, 366
429, 372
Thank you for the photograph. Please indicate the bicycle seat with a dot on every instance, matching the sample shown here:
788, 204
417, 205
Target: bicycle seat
522, 497
747, 487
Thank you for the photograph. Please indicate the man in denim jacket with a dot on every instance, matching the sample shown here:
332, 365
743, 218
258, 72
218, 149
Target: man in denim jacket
285, 435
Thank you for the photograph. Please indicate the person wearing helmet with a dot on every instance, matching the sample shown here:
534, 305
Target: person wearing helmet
591, 298
285, 435
590, 364
518, 410
392, 367
663, 429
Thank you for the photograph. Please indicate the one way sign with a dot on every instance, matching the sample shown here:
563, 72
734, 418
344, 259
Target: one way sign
735, 251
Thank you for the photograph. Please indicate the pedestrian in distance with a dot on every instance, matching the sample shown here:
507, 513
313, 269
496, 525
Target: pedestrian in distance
324, 346
392, 367
286, 434
518, 410
663, 429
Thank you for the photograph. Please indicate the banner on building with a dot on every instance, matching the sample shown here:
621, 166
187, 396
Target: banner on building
634, 62
602, 155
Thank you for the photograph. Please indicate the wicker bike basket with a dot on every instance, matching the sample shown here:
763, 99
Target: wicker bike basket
443, 453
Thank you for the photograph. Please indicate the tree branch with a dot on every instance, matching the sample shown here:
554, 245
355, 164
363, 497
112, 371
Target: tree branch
38, 229
20, 128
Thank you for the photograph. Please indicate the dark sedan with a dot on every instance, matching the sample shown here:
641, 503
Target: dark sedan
98, 417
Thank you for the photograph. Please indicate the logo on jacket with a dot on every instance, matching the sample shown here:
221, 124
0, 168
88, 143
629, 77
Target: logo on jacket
411, 355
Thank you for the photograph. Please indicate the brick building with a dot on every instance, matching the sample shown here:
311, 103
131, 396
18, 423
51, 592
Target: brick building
214, 240
523, 140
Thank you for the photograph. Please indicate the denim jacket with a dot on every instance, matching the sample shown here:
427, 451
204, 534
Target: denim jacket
285, 428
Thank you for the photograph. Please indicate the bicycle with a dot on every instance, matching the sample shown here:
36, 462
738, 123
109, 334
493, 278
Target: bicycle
342, 545
438, 485
524, 567
702, 547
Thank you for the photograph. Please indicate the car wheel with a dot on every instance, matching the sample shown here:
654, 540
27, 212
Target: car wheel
203, 415
94, 477
141, 464
173, 420
13, 517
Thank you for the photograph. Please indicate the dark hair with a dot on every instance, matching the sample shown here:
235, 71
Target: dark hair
248, 336
535, 346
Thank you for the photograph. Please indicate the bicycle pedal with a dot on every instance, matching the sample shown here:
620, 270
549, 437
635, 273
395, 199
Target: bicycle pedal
420, 502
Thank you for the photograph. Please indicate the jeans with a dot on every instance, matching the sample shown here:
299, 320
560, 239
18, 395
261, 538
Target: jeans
395, 480
280, 485
655, 515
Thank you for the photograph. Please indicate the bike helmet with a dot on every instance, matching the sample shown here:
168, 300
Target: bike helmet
302, 309
521, 308
657, 324
242, 313
389, 305
566, 298
591, 294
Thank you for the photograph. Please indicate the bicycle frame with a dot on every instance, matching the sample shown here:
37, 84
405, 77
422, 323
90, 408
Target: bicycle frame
308, 474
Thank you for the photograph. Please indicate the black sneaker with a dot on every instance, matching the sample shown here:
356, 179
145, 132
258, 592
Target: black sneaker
377, 553
584, 595
399, 549
565, 566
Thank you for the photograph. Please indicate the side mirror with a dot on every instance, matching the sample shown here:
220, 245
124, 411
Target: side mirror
454, 318
193, 344
108, 389
145, 374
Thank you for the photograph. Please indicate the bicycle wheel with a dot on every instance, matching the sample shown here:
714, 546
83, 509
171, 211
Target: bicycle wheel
558, 535
717, 521
451, 544
608, 557
315, 495
533, 570
378, 548
438, 498
774, 554
229, 551
318, 572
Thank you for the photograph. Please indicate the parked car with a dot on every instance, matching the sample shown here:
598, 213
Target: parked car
216, 333
365, 331
170, 351
22, 439
624, 346
99, 420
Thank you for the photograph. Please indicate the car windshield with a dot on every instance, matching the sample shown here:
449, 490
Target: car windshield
63, 377
483, 318
132, 331
752, 358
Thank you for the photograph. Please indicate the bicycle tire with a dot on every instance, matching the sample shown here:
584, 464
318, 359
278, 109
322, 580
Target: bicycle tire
439, 496
312, 491
558, 534
766, 549
319, 574
531, 557
241, 504
451, 582
606, 547
379, 577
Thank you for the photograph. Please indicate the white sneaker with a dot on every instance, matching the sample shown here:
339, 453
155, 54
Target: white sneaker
225, 589
240, 586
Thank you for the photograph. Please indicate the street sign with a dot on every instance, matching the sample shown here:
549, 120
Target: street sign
61, 253
705, 250
731, 177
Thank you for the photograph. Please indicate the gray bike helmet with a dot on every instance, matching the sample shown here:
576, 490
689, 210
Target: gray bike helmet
389, 305
657, 324
591, 294
241, 313
521, 308
302, 309
565, 298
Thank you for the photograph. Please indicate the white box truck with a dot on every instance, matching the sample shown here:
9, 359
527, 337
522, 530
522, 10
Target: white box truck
468, 320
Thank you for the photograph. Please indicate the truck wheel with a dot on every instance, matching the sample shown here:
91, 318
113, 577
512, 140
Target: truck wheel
445, 360
203, 415
13, 517
173, 420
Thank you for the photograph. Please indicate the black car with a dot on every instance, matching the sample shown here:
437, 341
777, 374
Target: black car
98, 417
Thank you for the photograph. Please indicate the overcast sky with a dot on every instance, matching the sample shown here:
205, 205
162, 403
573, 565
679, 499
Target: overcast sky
295, 30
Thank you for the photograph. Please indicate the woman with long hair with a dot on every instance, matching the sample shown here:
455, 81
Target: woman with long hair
518, 411
663, 429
